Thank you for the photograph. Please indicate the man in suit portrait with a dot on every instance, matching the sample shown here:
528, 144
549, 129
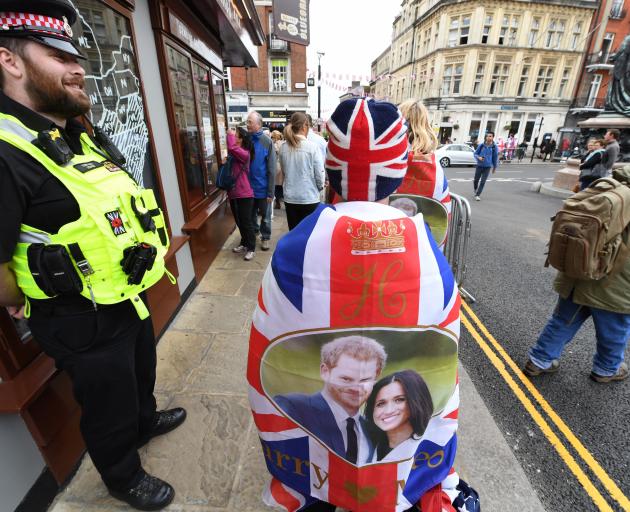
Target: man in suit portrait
349, 368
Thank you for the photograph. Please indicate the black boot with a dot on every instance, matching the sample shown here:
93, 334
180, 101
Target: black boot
150, 493
164, 422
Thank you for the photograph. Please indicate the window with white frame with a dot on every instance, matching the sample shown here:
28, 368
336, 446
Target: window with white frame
279, 75
436, 33
607, 44
500, 75
543, 81
447, 79
425, 41
555, 32
616, 9
575, 36
594, 90
509, 29
564, 81
481, 69
522, 84
487, 27
459, 30
534, 31
452, 79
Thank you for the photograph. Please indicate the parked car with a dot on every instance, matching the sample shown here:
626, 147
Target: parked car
455, 154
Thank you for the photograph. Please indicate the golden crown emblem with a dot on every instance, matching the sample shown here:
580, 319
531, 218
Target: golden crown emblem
377, 237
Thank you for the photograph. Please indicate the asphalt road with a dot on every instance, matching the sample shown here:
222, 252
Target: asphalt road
510, 228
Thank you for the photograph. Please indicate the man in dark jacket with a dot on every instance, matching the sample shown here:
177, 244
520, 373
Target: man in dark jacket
608, 303
262, 177
487, 156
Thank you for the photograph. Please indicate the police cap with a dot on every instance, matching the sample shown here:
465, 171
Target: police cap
44, 21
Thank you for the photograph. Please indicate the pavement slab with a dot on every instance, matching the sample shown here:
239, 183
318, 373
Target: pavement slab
214, 459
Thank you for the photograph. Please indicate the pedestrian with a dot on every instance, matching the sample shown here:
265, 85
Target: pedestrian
606, 301
262, 174
61, 228
303, 170
520, 152
487, 155
593, 164
331, 278
241, 196
550, 147
612, 149
277, 139
425, 176
510, 147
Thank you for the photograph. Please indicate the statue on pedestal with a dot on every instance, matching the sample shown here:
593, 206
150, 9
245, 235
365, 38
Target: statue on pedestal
618, 98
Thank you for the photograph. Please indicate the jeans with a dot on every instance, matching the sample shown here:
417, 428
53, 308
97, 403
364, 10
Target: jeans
262, 209
611, 330
481, 175
242, 211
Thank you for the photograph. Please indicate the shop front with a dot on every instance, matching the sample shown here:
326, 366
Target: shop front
154, 73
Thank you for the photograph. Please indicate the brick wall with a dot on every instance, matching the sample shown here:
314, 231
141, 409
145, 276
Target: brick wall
257, 79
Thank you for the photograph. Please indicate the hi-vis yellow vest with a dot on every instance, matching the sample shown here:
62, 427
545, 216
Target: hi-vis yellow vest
106, 227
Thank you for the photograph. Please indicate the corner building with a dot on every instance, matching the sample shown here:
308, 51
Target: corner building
508, 67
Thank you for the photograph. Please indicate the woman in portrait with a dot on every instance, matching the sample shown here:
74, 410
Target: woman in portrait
397, 413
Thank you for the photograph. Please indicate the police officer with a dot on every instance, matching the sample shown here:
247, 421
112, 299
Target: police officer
80, 242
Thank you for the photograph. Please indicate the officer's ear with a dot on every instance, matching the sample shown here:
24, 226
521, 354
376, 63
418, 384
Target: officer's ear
11, 65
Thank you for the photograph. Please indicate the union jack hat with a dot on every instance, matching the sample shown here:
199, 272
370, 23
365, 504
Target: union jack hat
367, 149
47, 22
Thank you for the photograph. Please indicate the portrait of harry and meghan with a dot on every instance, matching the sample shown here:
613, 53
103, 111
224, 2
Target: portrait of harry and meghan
361, 412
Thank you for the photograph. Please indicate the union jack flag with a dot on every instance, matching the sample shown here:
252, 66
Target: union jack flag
428, 179
314, 273
367, 149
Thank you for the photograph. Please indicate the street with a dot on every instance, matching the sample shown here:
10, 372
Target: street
585, 421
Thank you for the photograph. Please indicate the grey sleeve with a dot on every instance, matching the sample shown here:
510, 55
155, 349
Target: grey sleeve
271, 168
612, 152
318, 167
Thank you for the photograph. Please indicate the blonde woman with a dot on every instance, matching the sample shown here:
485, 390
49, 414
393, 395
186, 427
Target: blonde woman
303, 170
277, 139
425, 176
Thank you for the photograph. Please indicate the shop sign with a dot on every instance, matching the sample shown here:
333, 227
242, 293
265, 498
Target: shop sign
508, 107
311, 82
300, 85
180, 30
275, 114
291, 20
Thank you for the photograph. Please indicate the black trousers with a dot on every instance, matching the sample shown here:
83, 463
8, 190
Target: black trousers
242, 210
110, 357
297, 212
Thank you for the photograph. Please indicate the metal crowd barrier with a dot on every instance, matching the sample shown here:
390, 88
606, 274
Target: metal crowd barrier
456, 249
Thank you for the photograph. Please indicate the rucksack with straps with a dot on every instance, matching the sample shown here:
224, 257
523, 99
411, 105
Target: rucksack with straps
587, 233
225, 178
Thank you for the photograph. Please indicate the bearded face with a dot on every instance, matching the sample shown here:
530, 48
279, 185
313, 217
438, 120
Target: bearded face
55, 82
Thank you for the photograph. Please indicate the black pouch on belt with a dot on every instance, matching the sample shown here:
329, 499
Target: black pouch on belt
52, 269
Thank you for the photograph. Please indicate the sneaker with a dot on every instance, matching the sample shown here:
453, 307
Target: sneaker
622, 374
477, 198
532, 370
240, 249
264, 245
249, 255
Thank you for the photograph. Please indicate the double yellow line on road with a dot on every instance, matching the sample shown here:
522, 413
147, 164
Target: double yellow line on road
491, 348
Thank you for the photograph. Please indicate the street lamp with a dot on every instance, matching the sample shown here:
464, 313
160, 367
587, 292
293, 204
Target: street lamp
319, 87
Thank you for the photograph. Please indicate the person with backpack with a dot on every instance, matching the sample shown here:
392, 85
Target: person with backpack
487, 156
241, 195
595, 285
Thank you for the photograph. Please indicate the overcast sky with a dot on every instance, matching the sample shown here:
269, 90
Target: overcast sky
351, 33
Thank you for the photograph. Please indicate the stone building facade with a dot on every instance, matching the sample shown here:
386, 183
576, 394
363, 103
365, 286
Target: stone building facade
507, 67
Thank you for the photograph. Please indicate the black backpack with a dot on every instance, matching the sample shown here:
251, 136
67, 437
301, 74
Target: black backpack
225, 178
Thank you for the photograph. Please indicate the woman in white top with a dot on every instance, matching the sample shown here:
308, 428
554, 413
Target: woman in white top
397, 413
303, 171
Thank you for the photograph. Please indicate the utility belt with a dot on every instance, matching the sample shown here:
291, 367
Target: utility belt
52, 268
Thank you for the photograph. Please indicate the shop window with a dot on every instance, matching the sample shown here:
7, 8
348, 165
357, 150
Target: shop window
202, 83
280, 75
219, 105
112, 82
